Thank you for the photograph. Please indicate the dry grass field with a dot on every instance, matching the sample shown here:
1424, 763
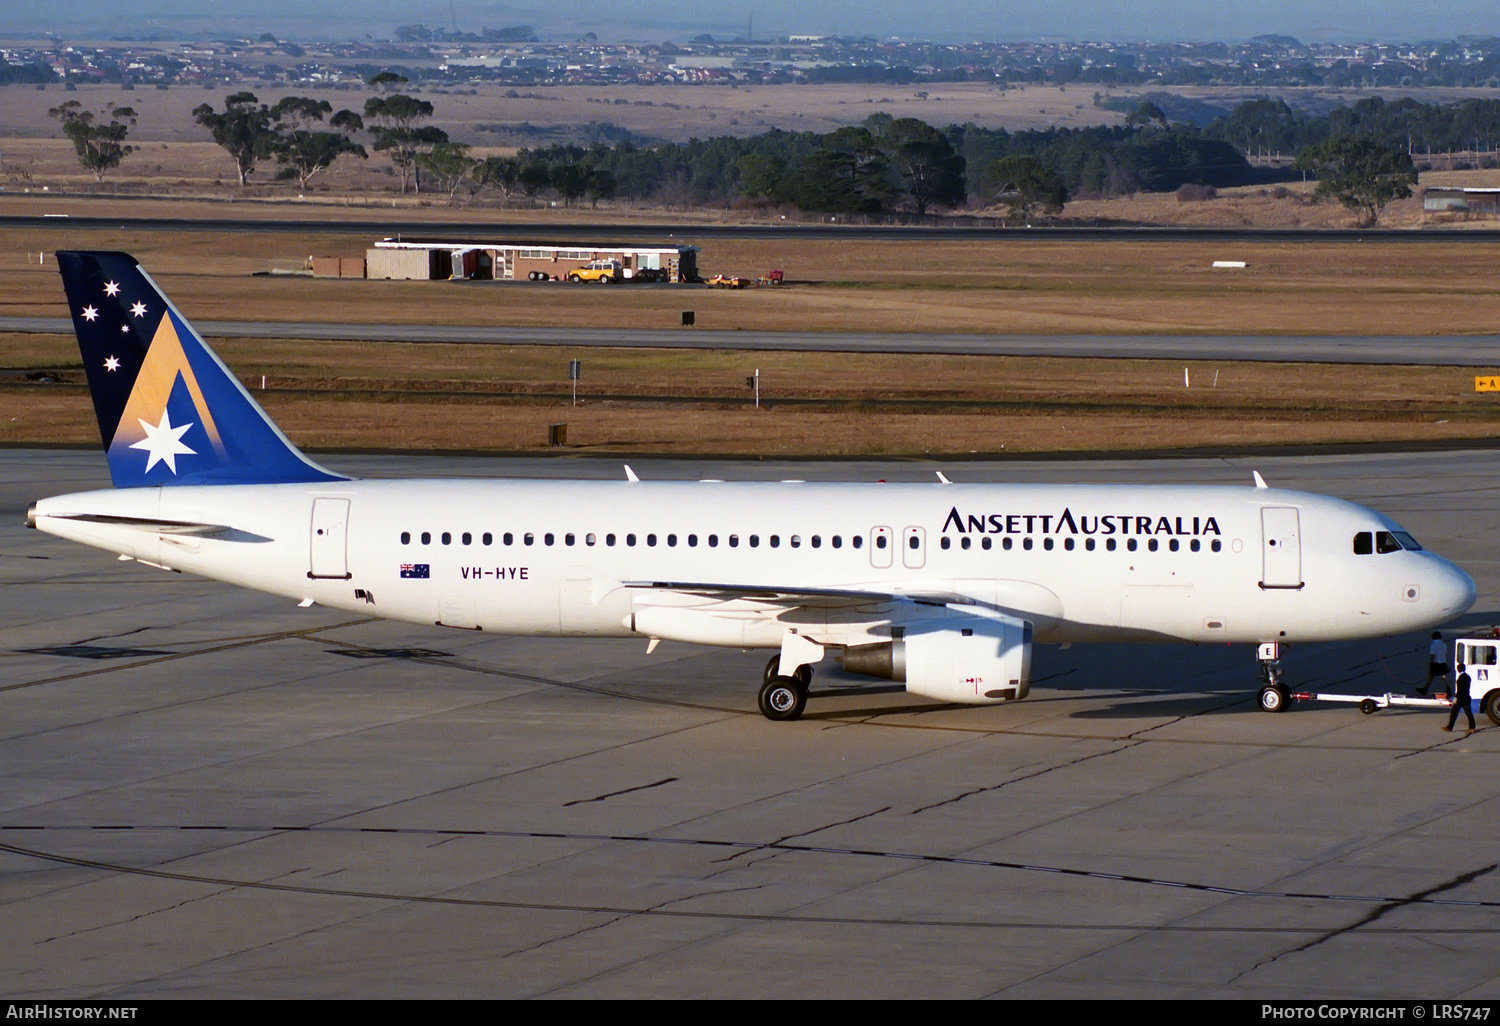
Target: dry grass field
351, 395
335, 395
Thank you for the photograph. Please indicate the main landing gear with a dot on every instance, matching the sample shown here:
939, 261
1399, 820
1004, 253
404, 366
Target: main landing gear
784, 698
1274, 695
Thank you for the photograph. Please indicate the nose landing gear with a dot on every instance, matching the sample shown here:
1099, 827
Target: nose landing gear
1274, 695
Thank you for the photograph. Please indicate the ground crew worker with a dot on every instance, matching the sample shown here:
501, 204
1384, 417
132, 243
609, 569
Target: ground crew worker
1460, 701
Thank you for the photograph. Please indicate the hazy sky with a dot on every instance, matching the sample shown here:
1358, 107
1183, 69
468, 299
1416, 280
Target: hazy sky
1166, 20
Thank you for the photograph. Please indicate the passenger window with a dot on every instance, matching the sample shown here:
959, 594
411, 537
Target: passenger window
488, 539
426, 537
754, 541
775, 541
1364, 543
671, 541
1109, 544
1088, 543
734, 541
796, 542
1006, 543
568, 538
1068, 544
838, 541
943, 543
713, 541
880, 541
509, 538
447, 538
1026, 543
548, 538
529, 538
468, 539
1151, 545
1130, 545
857, 542
692, 541
1047, 544
609, 539
651, 540
630, 539
405, 537
590, 539
985, 543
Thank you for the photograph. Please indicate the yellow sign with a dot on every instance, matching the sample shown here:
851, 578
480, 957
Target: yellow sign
1487, 383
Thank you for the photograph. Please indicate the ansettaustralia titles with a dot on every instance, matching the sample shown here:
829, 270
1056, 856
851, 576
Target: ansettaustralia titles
1066, 523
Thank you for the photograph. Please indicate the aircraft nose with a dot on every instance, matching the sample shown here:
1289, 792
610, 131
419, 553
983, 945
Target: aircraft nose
1452, 590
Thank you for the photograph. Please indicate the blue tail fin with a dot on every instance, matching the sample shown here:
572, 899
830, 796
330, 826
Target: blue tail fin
169, 411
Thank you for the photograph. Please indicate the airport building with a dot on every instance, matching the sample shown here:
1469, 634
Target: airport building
488, 260
1461, 201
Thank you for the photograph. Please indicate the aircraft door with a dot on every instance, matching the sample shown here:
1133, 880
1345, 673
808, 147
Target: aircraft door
880, 546
914, 547
330, 539
1281, 547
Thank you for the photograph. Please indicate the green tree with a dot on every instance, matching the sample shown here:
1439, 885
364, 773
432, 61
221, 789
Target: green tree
929, 171
449, 165
395, 124
502, 173
100, 146
1360, 172
1024, 184
303, 148
242, 128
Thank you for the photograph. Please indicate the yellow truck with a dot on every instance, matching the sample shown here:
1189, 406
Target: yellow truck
604, 272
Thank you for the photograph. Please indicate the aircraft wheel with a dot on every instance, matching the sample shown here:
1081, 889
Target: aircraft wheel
803, 674
1492, 707
782, 698
1368, 706
1274, 698
772, 669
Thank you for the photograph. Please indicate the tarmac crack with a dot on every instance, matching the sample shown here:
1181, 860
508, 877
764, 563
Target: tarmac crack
1376, 914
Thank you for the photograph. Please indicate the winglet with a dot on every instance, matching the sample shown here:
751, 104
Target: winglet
1260, 482
169, 411
630, 474
942, 479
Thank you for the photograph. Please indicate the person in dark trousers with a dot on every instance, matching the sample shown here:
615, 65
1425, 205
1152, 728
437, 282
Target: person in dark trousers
1460, 700
1437, 662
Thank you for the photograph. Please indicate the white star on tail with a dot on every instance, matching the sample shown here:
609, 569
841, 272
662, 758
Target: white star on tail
90, 313
139, 309
111, 289
163, 443
112, 364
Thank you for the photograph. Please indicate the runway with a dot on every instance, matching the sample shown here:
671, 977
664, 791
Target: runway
208, 792
1417, 350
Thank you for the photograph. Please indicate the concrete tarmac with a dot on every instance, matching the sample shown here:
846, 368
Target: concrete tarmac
205, 792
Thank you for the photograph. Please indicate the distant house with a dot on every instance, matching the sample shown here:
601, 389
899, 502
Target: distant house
1461, 201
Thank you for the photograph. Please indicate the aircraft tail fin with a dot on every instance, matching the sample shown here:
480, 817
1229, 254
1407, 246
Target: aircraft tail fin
169, 411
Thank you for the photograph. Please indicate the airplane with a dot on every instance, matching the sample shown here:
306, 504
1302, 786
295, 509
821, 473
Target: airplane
943, 587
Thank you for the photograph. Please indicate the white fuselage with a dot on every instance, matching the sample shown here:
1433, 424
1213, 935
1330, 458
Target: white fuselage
703, 561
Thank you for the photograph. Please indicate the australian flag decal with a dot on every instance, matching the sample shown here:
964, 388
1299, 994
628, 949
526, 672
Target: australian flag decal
417, 571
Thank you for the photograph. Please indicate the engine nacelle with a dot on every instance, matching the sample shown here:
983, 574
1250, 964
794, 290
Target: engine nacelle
977, 660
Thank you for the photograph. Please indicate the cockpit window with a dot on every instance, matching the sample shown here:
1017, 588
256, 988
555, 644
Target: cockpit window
1386, 542
1364, 543
1407, 541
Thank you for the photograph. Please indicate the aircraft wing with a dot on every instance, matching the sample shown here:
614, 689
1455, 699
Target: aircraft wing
812, 598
